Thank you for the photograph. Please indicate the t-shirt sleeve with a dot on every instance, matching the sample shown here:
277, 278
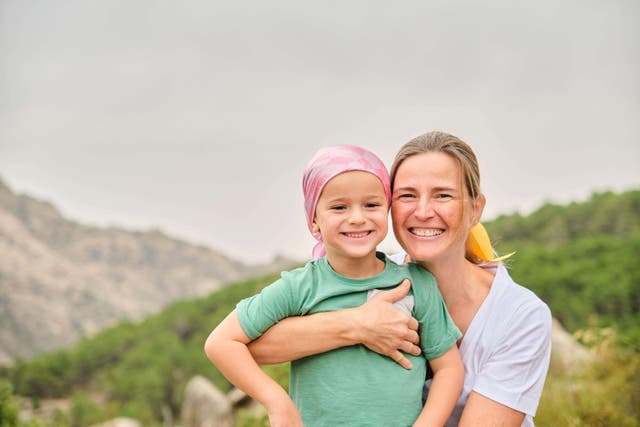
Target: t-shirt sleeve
438, 332
261, 311
515, 371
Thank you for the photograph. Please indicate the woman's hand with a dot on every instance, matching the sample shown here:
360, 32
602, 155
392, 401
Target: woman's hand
387, 330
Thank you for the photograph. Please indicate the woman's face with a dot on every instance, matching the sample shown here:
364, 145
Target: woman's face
428, 207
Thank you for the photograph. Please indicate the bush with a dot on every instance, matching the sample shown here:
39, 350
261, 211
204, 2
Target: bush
602, 394
8, 406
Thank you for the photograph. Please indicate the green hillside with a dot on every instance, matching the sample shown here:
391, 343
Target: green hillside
580, 259
139, 367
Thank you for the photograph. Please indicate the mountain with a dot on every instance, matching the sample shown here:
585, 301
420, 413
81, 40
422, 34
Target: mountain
61, 280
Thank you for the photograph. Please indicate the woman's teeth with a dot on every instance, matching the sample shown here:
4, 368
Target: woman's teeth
426, 232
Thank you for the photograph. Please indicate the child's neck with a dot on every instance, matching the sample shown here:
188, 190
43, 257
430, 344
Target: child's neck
356, 268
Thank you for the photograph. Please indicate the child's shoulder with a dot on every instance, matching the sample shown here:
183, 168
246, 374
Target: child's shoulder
312, 267
420, 274
410, 270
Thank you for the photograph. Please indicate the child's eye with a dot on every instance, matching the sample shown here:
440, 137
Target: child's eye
338, 208
373, 205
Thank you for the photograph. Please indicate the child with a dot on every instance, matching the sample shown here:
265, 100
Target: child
347, 197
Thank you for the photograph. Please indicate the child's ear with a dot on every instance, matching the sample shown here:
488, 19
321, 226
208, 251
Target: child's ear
315, 227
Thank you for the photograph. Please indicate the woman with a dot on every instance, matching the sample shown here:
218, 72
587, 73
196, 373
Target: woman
506, 342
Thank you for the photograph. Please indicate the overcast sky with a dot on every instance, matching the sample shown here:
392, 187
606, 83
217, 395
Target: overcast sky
197, 117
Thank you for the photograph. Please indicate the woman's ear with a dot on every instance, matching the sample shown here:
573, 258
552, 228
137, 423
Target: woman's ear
478, 207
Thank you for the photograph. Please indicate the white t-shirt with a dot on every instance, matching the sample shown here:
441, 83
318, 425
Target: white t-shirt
507, 347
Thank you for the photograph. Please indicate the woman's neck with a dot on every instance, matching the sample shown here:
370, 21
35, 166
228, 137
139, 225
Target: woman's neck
464, 287
450, 273
459, 279
356, 268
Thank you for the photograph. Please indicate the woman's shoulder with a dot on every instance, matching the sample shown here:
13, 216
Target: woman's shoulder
513, 300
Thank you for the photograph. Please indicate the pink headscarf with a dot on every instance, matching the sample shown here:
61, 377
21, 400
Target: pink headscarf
326, 164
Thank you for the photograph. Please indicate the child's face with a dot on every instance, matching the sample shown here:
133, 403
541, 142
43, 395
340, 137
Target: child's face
351, 215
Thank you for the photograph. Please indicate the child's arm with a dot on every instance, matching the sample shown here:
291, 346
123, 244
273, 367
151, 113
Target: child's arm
448, 377
226, 347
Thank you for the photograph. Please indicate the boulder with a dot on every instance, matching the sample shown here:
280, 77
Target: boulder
566, 351
119, 422
205, 406
242, 401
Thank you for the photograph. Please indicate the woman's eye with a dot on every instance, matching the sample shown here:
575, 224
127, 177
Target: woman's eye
444, 196
406, 196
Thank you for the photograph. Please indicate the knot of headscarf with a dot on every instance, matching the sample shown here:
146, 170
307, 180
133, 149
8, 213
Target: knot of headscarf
326, 164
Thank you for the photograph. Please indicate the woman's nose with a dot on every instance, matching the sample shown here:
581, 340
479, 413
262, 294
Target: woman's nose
424, 209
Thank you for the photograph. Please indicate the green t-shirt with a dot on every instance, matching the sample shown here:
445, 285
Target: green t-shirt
353, 386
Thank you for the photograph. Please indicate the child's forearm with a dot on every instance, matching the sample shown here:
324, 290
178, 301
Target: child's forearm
227, 348
442, 398
445, 389
237, 365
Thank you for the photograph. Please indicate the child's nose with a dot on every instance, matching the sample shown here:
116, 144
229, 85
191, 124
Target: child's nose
356, 217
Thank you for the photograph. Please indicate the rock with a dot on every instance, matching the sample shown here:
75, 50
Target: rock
237, 397
569, 353
205, 406
242, 401
119, 422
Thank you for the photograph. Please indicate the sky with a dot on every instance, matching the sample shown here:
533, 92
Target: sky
198, 117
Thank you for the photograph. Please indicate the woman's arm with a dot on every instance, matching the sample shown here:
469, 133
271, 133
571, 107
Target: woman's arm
226, 347
448, 377
377, 324
482, 411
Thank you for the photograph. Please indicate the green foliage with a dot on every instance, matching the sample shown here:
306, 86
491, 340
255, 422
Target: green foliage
603, 394
84, 411
581, 259
142, 368
607, 214
8, 406
247, 419
590, 281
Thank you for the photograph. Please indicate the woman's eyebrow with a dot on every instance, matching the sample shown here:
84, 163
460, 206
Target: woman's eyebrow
404, 189
444, 188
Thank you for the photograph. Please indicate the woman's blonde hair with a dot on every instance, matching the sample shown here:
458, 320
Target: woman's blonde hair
445, 143
456, 148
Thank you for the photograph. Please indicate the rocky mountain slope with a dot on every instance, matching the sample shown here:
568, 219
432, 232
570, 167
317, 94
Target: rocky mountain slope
60, 280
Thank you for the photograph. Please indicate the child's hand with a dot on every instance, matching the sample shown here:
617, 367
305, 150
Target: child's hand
285, 415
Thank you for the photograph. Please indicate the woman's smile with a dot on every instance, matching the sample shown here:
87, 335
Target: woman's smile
425, 232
